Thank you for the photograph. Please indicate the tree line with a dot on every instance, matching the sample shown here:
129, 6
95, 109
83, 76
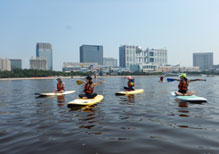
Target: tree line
19, 73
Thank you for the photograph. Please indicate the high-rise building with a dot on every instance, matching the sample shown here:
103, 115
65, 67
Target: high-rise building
39, 63
44, 50
134, 55
110, 62
5, 65
91, 54
203, 60
16, 63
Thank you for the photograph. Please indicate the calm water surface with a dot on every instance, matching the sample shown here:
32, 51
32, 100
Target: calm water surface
152, 122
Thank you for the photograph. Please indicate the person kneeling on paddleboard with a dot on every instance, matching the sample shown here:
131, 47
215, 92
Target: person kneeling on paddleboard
183, 85
131, 84
89, 88
60, 85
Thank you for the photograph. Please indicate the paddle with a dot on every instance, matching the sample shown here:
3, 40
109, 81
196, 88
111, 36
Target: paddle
79, 82
171, 79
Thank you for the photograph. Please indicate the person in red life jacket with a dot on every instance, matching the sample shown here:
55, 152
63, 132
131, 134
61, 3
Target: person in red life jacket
183, 85
89, 88
131, 84
60, 85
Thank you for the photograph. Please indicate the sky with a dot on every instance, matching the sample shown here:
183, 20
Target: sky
181, 26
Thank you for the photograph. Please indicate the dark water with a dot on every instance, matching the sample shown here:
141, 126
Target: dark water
152, 122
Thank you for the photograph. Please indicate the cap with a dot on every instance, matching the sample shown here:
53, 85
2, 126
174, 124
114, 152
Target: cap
182, 75
129, 77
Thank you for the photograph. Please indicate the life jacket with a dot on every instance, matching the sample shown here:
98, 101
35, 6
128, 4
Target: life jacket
183, 85
131, 83
88, 89
60, 86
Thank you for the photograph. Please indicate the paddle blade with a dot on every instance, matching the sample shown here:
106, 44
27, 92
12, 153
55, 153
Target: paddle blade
79, 82
171, 80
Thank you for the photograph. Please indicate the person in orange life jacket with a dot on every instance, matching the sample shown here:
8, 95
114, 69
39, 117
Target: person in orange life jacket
60, 85
183, 85
89, 88
131, 84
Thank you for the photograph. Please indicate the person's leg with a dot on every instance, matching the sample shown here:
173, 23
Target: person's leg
82, 95
90, 96
190, 93
178, 93
126, 88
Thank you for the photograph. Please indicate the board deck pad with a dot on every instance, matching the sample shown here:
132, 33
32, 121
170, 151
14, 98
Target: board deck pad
192, 98
86, 102
56, 94
136, 91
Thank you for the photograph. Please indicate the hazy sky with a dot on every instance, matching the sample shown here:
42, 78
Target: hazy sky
181, 26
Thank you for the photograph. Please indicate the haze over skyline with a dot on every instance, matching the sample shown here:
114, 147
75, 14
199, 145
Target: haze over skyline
181, 26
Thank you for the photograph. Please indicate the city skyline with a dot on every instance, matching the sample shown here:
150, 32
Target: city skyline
181, 26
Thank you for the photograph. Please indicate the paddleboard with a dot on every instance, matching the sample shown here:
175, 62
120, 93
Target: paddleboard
86, 102
56, 94
136, 91
192, 98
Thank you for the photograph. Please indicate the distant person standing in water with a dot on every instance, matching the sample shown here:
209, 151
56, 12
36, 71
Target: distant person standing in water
60, 85
184, 84
131, 84
161, 79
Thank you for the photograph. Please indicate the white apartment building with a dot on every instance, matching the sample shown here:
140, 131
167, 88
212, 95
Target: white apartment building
134, 55
5, 64
39, 63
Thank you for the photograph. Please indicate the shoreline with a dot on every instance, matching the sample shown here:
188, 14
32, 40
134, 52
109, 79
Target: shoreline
77, 77
69, 77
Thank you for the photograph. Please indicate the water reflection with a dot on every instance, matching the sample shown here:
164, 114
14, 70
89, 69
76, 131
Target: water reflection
61, 100
129, 99
89, 117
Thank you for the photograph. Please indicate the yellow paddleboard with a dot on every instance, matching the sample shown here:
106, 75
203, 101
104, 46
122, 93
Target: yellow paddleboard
136, 91
86, 102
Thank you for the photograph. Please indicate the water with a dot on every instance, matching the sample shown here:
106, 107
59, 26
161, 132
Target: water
152, 122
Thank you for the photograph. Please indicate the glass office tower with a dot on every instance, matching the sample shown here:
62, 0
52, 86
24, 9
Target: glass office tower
91, 54
44, 50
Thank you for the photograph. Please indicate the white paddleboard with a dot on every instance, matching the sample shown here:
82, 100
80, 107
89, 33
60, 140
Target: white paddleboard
57, 93
86, 102
192, 98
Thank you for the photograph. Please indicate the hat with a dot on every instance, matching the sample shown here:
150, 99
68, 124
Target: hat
89, 78
182, 75
59, 79
129, 77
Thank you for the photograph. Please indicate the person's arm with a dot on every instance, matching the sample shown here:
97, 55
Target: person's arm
96, 84
63, 86
193, 80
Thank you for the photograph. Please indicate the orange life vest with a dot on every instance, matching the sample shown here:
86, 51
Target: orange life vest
88, 89
60, 86
131, 83
183, 85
